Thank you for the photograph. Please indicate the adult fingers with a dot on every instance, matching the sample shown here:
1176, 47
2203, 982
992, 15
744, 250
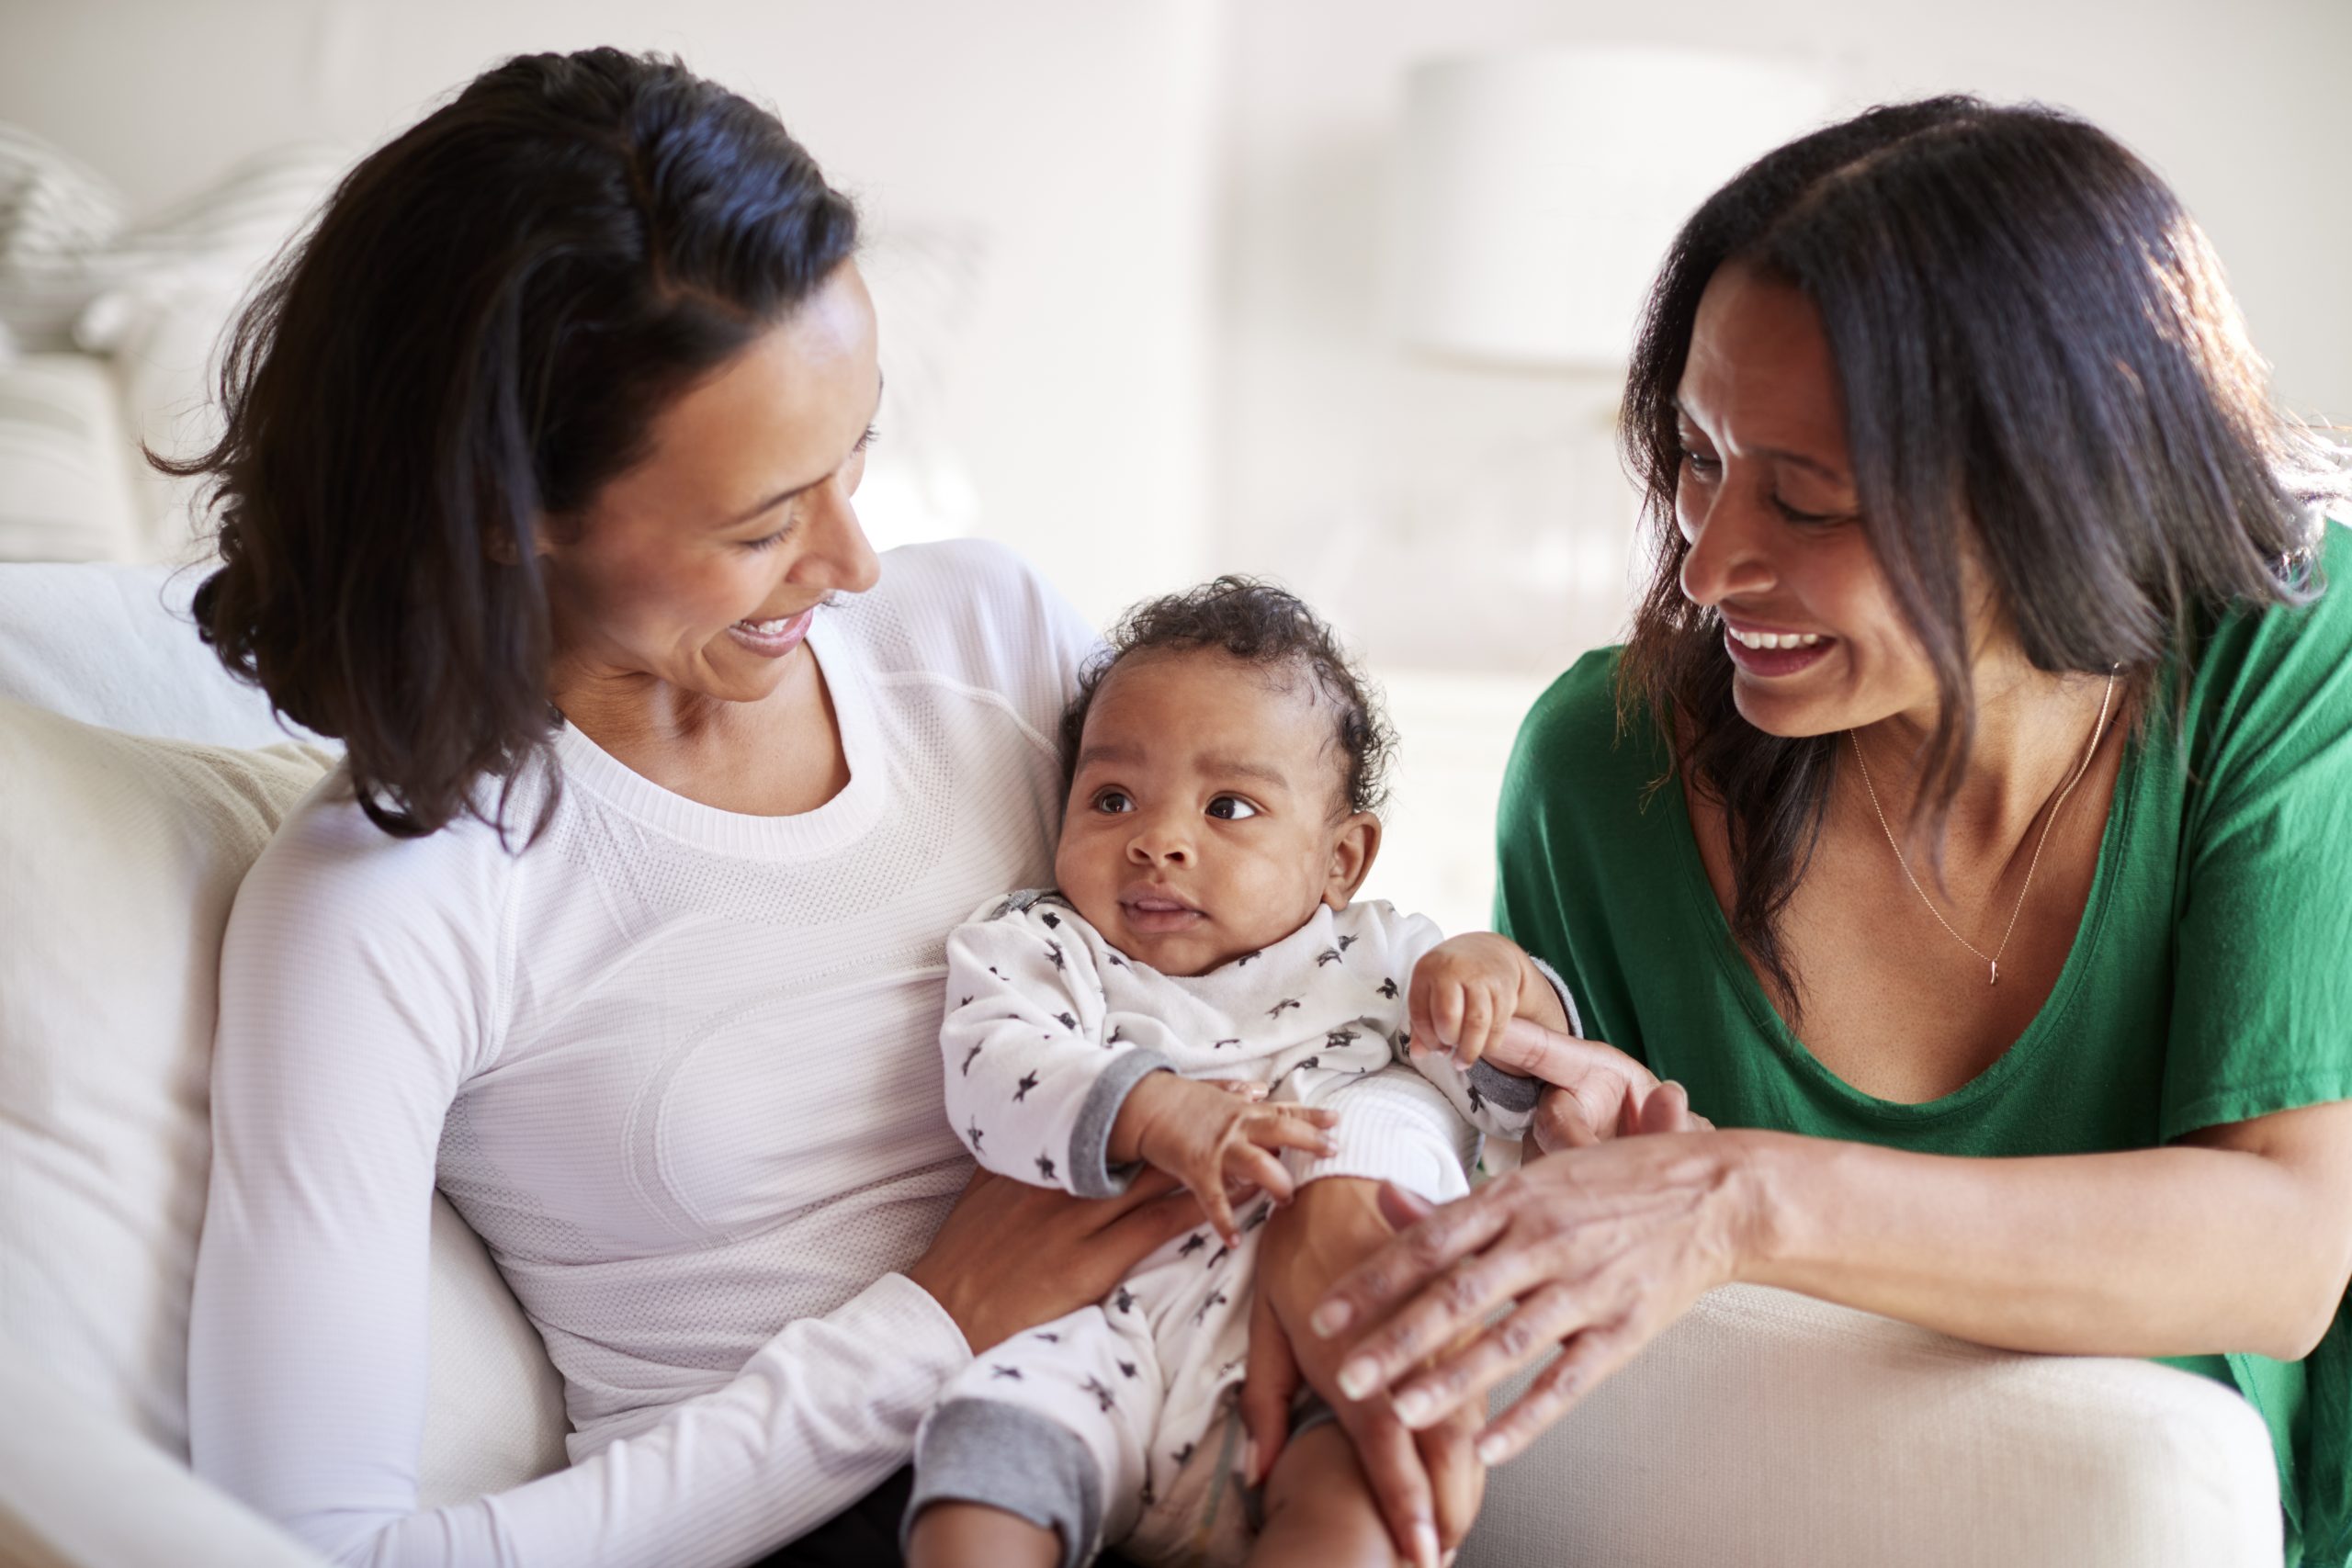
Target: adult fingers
1562, 1123
1401, 1208
1164, 1215
1456, 1303
1373, 1287
1666, 1108
1526, 1046
1461, 1381
1270, 1379
1392, 1463
1583, 1362
1449, 1453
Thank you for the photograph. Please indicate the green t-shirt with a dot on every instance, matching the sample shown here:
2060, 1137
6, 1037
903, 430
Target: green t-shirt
2210, 979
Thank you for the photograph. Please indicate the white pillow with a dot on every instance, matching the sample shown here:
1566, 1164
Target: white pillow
64, 493
54, 210
118, 859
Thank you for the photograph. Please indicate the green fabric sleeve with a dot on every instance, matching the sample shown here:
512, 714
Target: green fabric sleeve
2262, 1002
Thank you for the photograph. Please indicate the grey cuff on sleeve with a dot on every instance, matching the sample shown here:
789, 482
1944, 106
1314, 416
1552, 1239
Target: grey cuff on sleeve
1090, 1175
1009, 1457
1567, 1002
1504, 1091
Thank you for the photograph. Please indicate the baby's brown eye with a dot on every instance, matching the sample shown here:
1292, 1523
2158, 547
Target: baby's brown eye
1113, 800
1231, 808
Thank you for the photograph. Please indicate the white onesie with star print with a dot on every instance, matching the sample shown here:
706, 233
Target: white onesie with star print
1047, 1029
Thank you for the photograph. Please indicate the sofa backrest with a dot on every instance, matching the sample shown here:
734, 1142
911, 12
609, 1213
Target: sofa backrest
140, 782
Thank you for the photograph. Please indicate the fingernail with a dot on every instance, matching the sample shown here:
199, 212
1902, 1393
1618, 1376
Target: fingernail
1330, 1318
1359, 1378
1425, 1544
1412, 1406
1448, 1560
1491, 1450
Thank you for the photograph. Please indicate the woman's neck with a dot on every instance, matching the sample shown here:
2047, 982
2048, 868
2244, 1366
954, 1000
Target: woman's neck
2034, 731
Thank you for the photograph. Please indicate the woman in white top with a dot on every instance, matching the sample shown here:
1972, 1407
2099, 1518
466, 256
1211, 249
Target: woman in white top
623, 921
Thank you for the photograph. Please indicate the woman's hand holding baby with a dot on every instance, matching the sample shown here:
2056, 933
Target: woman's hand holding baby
1467, 990
1216, 1141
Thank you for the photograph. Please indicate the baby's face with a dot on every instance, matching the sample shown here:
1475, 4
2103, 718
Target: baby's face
1205, 821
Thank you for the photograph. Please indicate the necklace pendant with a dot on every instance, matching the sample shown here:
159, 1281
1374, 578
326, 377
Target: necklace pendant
1996, 975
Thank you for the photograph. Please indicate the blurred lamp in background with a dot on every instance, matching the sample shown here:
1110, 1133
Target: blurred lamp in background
1540, 187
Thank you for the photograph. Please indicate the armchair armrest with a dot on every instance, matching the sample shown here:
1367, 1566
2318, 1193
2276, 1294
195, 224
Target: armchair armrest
1776, 1431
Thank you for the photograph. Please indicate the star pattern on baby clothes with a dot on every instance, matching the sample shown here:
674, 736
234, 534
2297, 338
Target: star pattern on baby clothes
1346, 942
1127, 1369
1216, 1257
996, 1371
1216, 1299
1053, 951
1247, 957
1102, 1395
1116, 961
968, 1056
1125, 1300
1182, 1456
973, 1134
1388, 990
1478, 1100
1221, 1044
1021, 1090
1046, 1167
1258, 1217
1339, 1039
1328, 955
1276, 1012
1066, 1020
1049, 1335
1053, 921
1193, 1244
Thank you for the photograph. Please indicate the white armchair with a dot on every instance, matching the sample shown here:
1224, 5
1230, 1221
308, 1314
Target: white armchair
1764, 1429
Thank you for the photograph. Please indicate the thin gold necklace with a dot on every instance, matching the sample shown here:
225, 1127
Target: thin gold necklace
1991, 959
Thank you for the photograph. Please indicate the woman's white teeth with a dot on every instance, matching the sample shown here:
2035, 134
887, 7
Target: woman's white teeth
1773, 639
766, 629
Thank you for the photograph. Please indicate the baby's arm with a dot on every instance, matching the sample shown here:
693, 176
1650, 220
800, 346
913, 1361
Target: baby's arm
1216, 1138
1032, 1084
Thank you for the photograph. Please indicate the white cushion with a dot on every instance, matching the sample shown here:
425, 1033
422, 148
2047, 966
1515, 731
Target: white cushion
119, 858
1775, 1431
65, 491
54, 209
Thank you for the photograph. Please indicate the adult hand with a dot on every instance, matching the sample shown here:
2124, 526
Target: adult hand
1010, 1255
1428, 1484
1594, 1250
1595, 1092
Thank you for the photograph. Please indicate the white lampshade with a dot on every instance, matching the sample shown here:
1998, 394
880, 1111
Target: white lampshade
1540, 188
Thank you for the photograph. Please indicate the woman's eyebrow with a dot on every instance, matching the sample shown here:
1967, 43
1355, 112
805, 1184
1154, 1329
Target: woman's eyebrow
772, 503
1782, 454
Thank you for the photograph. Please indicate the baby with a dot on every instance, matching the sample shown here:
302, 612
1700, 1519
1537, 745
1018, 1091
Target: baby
1200, 995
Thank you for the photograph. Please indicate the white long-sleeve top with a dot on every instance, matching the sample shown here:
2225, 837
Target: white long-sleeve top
1049, 1028
678, 1066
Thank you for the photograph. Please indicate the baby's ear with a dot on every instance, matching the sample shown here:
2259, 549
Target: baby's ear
1354, 849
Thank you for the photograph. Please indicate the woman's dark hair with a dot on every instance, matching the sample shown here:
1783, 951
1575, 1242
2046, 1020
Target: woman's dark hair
1259, 624
476, 336
2041, 362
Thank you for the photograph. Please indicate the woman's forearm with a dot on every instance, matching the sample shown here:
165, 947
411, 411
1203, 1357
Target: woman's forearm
2173, 1251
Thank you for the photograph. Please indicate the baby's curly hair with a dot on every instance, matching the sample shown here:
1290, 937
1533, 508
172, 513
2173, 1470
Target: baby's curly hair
1260, 624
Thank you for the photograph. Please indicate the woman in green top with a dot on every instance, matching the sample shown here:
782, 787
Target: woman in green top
1967, 825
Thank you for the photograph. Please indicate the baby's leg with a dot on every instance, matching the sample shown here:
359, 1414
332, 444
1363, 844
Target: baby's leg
954, 1535
1034, 1455
1319, 1507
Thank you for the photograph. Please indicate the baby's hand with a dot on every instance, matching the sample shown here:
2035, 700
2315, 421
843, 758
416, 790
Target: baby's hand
1464, 990
1214, 1139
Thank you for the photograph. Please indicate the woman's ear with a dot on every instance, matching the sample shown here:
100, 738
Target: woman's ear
1352, 852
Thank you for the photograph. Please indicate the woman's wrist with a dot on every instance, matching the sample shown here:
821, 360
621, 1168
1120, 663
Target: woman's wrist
1757, 1178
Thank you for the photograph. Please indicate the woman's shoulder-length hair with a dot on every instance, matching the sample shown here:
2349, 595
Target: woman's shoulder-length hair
2040, 363
475, 337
